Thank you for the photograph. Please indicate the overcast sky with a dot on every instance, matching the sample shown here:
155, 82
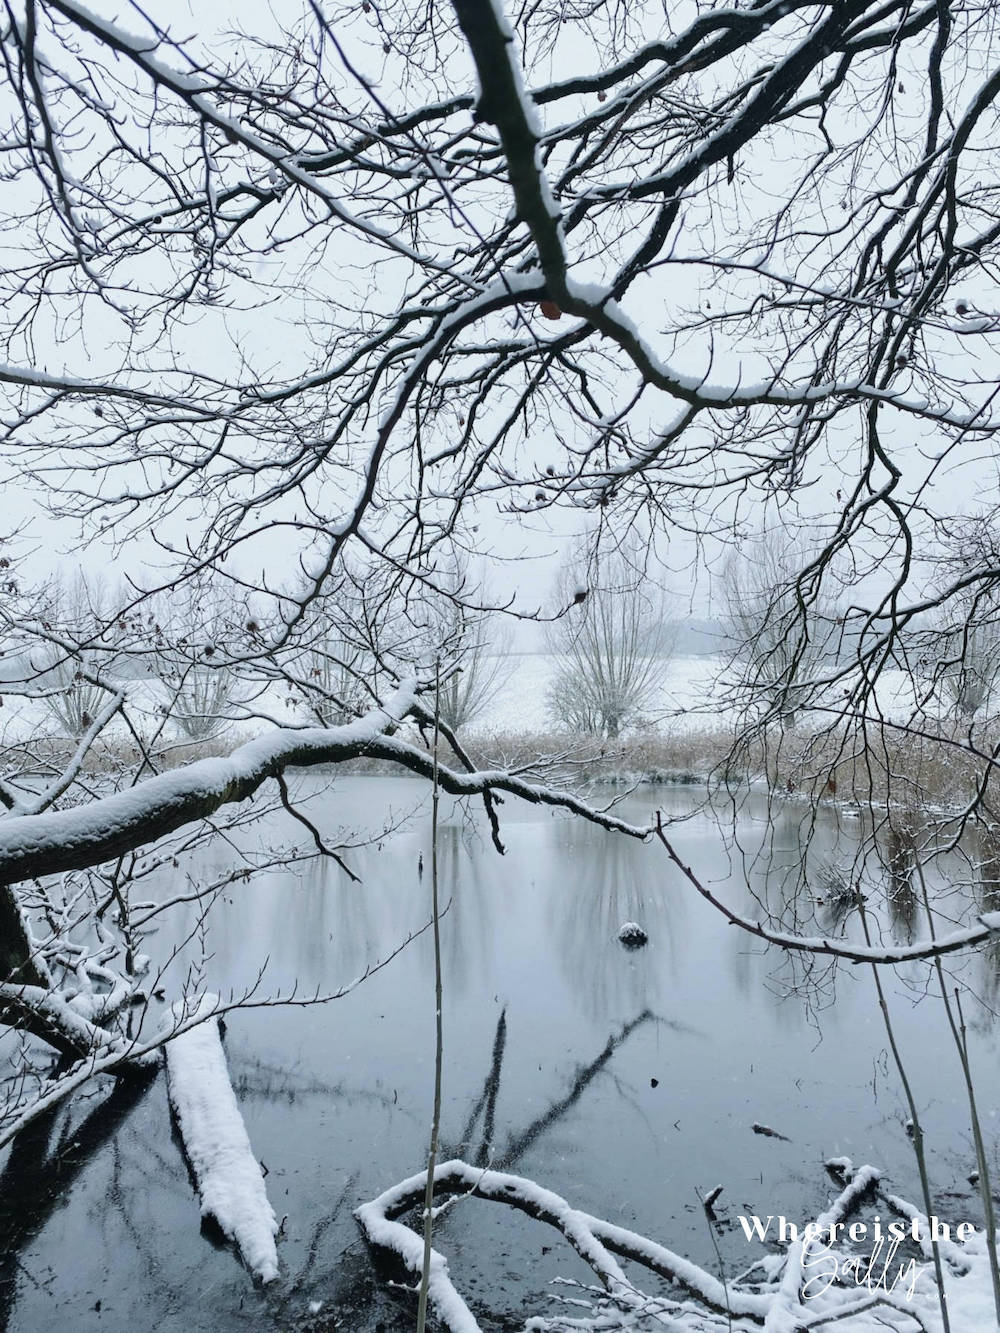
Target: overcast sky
524, 554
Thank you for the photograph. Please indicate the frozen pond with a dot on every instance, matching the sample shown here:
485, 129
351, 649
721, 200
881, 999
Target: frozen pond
627, 1082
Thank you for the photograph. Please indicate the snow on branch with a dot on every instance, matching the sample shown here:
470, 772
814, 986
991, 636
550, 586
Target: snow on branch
201, 94
595, 1240
968, 938
229, 1178
504, 102
29, 377
48, 1015
43, 844
773, 1302
56, 841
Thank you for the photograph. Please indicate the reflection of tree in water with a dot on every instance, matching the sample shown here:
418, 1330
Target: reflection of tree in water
317, 1270
897, 850
478, 1144
814, 887
264, 1081
315, 928
887, 868
346, 925
470, 926
602, 887
486, 1105
479, 1147
42, 1166
134, 1163
793, 868
960, 877
319, 929
518, 1143
901, 891
778, 857
351, 1283
601, 883
306, 918
987, 894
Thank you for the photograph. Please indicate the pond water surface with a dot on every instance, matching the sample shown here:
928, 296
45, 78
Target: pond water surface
629, 1082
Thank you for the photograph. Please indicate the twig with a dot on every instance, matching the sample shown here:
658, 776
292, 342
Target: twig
425, 1274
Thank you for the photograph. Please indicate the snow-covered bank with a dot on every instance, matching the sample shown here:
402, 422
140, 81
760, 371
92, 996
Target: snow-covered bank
230, 1181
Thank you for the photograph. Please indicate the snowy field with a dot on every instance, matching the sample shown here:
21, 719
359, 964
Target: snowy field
695, 695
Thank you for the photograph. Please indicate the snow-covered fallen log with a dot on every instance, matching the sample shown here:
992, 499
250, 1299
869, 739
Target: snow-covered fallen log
229, 1178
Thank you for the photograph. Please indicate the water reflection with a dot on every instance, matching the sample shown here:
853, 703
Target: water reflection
987, 896
623, 1081
595, 889
486, 1105
474, 899
42, 1166
519, 1142
898, 850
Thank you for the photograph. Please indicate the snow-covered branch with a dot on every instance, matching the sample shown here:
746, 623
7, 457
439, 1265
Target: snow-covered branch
35, 845
797, 1292
889, 954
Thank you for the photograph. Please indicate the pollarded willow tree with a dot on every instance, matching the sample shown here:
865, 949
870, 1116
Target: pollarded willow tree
612, 646
345, 290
